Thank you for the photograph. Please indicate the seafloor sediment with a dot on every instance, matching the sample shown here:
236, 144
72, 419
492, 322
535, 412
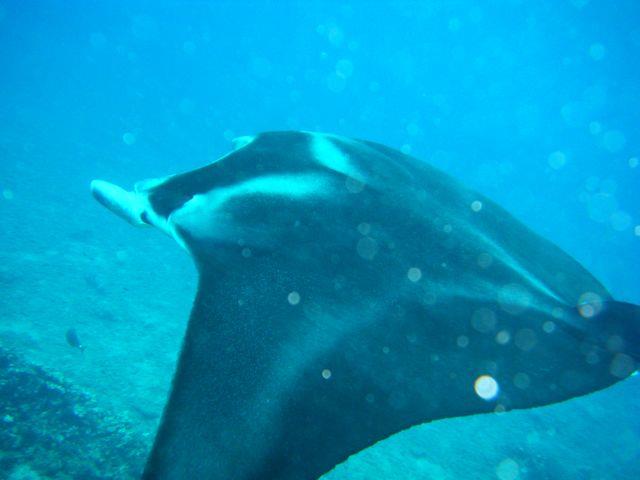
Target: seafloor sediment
51, 429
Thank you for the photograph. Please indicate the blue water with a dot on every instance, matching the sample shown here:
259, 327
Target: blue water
534, 104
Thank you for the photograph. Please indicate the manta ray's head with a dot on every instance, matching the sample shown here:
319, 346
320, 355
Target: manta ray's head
272, 193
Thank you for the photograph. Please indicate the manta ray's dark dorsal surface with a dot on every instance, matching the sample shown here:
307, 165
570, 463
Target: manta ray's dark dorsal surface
347, 292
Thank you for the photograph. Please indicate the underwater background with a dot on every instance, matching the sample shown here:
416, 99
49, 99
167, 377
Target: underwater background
533, 103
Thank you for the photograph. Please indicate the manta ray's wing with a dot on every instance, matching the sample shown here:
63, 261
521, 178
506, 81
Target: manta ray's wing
348, 292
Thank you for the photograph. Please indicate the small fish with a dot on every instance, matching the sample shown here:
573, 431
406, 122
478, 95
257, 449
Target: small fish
74, 340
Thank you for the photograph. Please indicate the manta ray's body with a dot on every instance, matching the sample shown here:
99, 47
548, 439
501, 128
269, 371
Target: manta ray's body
347, 292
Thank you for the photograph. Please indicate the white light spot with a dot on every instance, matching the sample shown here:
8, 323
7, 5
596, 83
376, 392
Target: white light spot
486, 387
414, 274
597, 51
557, 160
7, 194
246, 252
503, 337
326, 374
508, 469
129, 138
548, 326
406, 149
462, 341
293, 298
589, 304
476, 205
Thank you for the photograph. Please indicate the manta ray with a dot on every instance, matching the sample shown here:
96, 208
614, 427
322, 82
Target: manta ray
348, 291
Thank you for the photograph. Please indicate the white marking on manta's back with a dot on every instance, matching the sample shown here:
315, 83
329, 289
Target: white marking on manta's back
196, 214
243, 141
507, 259
327, 153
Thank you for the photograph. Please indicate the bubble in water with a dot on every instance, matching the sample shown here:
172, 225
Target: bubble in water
486, 387
326, 374
636, 230
293, 298
7, 194
595, 128
589, 304
476, 205
503, 337
462, 341
414, 274
633, 162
